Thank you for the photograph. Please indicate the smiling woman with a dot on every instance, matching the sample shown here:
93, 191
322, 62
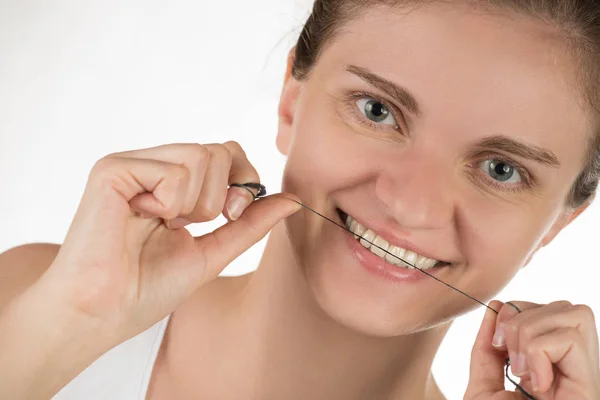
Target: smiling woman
452, 139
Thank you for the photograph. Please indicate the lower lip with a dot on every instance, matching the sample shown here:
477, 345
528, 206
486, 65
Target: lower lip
377, 266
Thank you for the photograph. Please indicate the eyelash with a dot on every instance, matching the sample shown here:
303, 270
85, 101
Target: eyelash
528, 182
351, 100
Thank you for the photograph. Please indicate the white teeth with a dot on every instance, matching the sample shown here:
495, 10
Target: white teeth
368, 236
382, 243
410, 257
420, 262
355, 227
398, 254
352, 226
425, 263
359, 230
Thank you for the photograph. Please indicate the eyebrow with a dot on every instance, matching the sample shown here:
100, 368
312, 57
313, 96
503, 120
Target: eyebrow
502, 143
521, 149
398, 93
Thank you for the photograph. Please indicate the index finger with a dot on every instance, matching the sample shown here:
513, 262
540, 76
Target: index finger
228, 164
240, 173
510, 309
506, 313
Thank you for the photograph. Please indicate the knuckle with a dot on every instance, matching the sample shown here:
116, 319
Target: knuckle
562, 304
170, 209
235, 146
532, 349
527, 332
170, 212
198, 153
173, 193
585, 311
512, 327
103, 168
179, 175
188, 207
223, 153
207, 211
507, 311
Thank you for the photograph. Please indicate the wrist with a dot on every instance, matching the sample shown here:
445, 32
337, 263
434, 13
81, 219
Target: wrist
44, 345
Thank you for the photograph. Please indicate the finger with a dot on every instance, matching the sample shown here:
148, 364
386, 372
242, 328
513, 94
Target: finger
534, 322
228, 164
242, 171
509, 311
195, 157
202, 198
210, 199
509, 329
225, 244
237, 200
564, 347
487, 364
148, 186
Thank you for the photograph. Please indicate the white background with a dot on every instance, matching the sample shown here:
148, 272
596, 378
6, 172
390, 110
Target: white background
79, 80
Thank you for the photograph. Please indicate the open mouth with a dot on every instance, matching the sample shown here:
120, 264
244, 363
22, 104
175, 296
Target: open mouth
391, 254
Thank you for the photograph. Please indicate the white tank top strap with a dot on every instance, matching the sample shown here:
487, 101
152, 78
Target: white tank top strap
122, 373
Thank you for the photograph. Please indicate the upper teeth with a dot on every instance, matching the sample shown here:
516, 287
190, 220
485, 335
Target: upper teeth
399, 256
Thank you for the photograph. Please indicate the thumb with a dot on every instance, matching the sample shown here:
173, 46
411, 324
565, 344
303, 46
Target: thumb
487, 363
226, 243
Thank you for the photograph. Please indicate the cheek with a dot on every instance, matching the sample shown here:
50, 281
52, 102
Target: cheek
498, 241
325, 153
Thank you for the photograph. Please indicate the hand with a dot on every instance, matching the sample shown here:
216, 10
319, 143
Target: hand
126, 262
553, 349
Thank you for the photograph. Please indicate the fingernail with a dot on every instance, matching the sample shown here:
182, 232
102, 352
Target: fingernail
520, 365
178, 223
236, 206
534, 381
498, 340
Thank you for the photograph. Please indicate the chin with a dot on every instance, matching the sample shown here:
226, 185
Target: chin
371, 312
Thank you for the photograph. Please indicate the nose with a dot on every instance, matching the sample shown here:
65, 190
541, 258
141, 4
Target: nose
417, 193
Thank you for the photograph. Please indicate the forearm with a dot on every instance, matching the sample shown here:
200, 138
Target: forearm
42, 347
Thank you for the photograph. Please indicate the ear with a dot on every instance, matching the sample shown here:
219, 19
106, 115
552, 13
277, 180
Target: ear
287, 106
566, 217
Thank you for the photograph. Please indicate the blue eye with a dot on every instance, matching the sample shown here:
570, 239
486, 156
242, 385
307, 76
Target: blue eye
501, 171
376, 111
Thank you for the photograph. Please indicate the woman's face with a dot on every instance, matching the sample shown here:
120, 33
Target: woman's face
454, 136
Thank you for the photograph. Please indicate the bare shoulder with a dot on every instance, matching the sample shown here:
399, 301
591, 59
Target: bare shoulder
21, 266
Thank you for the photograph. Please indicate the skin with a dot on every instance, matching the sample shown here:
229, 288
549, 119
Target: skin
418, 184
413, 183
312, 323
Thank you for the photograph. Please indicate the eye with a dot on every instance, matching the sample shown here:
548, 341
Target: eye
376, 111
501, 171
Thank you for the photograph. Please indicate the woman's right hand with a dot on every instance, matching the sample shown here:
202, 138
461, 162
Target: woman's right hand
126, 262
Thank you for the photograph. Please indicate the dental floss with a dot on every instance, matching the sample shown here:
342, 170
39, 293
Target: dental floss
261, 192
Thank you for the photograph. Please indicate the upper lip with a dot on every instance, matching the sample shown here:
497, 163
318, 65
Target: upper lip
394, 240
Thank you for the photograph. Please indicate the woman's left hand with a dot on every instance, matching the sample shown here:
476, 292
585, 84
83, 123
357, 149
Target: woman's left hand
553, 348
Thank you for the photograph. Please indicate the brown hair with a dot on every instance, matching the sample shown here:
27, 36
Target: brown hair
579, 20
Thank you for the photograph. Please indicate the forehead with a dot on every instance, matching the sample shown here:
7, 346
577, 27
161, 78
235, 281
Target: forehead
472, 71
